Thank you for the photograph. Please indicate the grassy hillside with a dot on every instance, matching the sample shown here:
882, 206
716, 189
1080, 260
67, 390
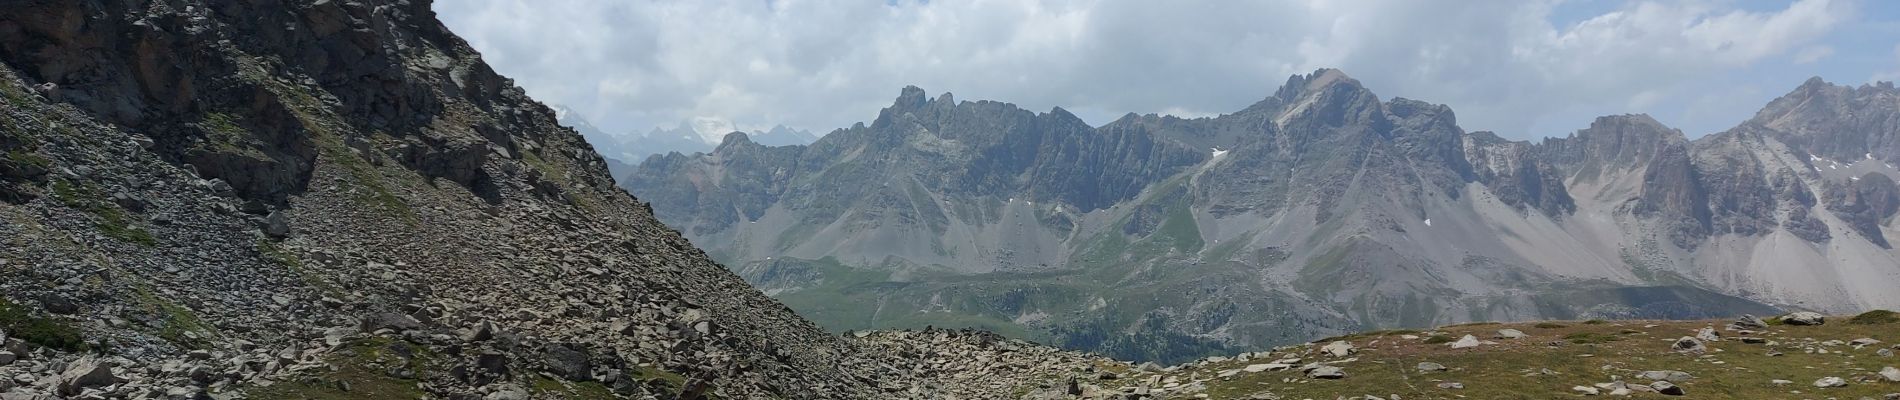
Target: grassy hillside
1552, 361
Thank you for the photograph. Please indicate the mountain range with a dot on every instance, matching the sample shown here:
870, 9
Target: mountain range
1320, 209
341, 200
697, 136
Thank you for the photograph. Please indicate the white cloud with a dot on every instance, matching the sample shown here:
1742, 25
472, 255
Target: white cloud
1813, 54
821, 65
1893, 74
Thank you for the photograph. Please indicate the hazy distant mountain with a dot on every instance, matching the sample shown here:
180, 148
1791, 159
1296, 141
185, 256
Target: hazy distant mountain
1318, 210
697, 136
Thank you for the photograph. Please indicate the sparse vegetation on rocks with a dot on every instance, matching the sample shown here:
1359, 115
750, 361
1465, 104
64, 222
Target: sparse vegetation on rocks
20, 324
1875, 317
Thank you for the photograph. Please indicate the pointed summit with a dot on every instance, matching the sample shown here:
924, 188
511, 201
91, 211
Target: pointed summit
1320, 80
1323, 78
1834, 121
1812, 83
1328, 91
1626, 122
910, 97
1613, 141
735, 137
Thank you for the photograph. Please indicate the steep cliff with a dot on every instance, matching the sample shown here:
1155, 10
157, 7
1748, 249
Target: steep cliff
339, 199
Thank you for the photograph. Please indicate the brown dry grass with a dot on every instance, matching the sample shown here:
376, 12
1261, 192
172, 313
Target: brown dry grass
1561, 354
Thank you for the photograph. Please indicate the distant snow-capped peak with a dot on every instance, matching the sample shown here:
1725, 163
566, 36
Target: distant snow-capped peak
712, 129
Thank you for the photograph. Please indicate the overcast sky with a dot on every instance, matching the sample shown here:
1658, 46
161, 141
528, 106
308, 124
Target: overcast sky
1522, 68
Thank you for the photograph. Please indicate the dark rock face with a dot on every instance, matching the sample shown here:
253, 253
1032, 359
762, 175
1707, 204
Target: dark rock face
569, 363
1866, 203
1620, 148
1741, 197
1611, 142
275, 191
206, 107
1514, 172
1673, 193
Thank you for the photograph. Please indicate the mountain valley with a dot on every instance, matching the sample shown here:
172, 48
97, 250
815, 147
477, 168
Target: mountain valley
1320, 210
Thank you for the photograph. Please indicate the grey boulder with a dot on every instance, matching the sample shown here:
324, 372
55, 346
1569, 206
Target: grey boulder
1804, 318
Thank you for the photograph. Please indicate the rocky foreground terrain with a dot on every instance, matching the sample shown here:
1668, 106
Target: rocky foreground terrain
1798, 356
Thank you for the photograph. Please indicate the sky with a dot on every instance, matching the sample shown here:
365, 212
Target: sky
1524, 69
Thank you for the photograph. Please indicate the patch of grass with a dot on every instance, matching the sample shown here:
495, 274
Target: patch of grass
1320, 275
671, 381
277, 254
1532, 370
178, 324
1594, 322
113, 221
9, 129
22, 158
1369, 335
270, 251
548, 388
14, 95
376, 194
1180, 228
559, 174
669, 384
1591, 338
364, 367
1875, 317
224, 134
1439, 339
129, 233
222, 123
1471, 324
49, 332
1550, 325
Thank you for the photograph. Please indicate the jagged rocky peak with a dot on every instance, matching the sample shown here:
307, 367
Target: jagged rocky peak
1515, 172
1817, 97
1628, 139
914, 109
1621, 127
1489, 138
1316, 82
1419, 125
910, 97
913, 99
735, 138
1328, 94
1835, 121
1407, 108
945, 126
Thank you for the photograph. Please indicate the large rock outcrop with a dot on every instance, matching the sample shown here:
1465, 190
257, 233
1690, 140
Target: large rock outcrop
341, 198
